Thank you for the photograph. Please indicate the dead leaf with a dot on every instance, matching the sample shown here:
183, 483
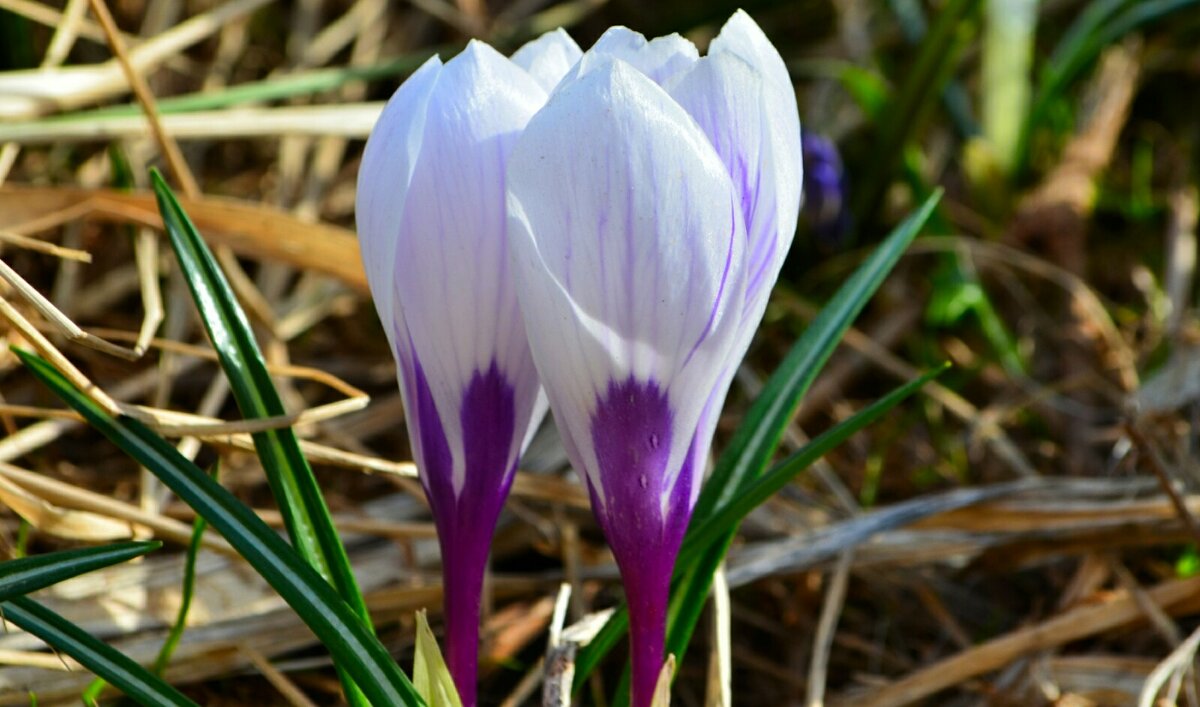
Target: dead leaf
61, 522
249, 229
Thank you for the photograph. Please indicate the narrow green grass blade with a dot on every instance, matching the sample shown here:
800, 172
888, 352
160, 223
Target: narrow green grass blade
1006, 85
726, 520
911, 102
276, 88
956, 99
343, 632
29, 574
757, 438
21, 548
186, 591
292, 481
706, 544
91, 693
134, 680
1095, 14
1071, 54
1099, 25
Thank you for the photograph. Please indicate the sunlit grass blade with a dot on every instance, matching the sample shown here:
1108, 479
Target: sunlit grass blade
29, 574
103, 660
1008, 37
430, 675
757, 438
343, 632
305, 513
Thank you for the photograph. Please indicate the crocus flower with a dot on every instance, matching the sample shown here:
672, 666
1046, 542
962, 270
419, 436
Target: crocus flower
652, 202
826, 190
434, 238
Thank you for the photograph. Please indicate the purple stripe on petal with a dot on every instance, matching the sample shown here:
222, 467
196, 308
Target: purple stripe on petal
681, 502
765, 243
720, 297
466, 521
631, 432
435, 461
488, 423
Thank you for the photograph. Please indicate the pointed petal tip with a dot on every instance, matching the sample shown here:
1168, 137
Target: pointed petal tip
620, 36
477, 52
480, 73
549, 57
599, 70
741, 21
561, 34
743, 36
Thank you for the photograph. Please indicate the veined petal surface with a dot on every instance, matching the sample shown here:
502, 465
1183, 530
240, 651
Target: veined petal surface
434, 232
652, 203
452, 275
742, 98
726, 97
383, 179
628, 245
742, 37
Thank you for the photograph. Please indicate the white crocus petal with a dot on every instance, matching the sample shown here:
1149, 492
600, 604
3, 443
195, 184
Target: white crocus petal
660, 59
548, 58
742, 37
452, 273
629, 261
725, 96
383, 179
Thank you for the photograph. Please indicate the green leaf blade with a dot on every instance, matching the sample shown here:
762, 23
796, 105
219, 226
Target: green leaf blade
343, 632
725, 521
295, 488
1099, 25
706, 545
103, 660
29, 574
759, 434
186, 591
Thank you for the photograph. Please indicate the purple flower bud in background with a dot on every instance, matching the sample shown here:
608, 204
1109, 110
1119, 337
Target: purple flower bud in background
652, 202
434, 237
826, 190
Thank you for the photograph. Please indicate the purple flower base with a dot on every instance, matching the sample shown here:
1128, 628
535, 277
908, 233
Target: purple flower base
466, 521
632, 430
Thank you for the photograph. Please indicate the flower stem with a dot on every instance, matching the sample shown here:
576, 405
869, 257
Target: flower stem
647, 633
462, 577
